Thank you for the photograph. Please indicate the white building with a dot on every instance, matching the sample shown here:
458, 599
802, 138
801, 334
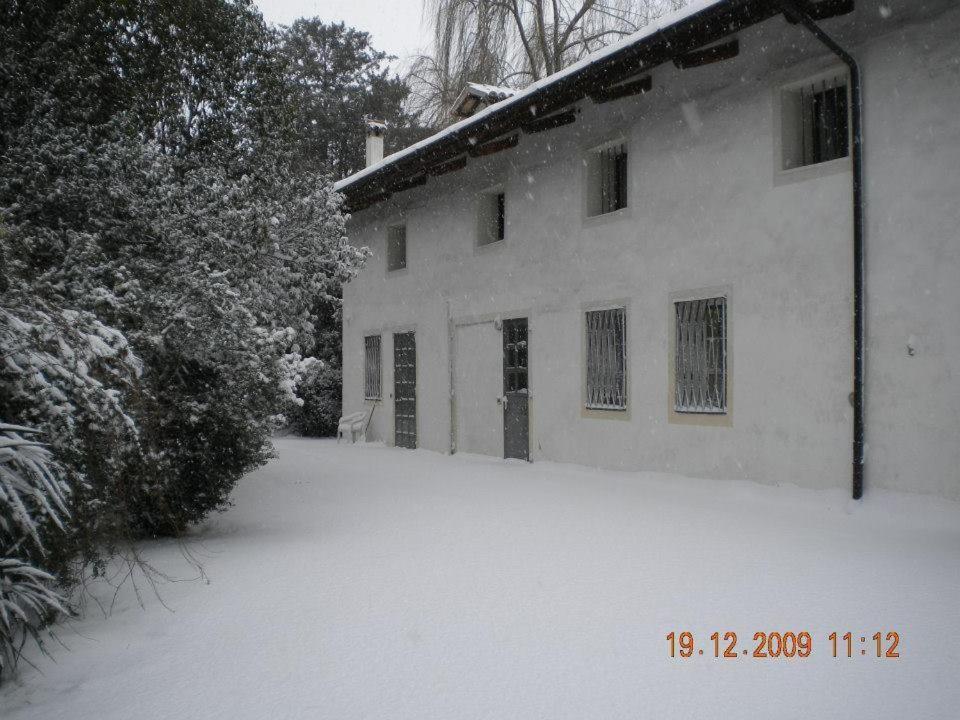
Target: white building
647, 261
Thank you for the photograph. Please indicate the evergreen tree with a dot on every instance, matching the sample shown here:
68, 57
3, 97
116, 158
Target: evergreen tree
163, 260
337, 77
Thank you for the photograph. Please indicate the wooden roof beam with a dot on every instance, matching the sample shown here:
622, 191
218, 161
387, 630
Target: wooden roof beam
494, 146
708, 55
451, 166
551, 122
627, 89
825, 9
364, 202
415, 181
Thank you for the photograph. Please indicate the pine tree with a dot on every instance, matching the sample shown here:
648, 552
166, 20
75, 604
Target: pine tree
336, 78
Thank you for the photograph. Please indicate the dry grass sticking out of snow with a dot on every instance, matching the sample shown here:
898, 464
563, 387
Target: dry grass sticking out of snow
370, 582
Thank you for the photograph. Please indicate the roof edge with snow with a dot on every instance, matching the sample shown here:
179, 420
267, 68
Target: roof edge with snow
698, 24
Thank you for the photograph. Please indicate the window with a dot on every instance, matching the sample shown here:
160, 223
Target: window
607, 170
396, 247
371, 367
493, 218
606, 359
701, 356
815, 122
501, 216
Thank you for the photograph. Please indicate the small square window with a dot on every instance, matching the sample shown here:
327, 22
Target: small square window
492, 218
815, 119
371, 367
607, 359
396, 247
701, 356
607, 183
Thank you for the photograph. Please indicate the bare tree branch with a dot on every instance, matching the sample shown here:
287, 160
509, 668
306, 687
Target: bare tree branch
513, 42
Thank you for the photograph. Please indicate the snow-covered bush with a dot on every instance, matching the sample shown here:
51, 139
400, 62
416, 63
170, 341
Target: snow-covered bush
33, 505
320, 392
161, 261
213, 279
73, 376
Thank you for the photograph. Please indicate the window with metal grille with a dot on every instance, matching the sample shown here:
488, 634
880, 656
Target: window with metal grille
701, 356
396, 247
606, 359
371, 367
608, 178
816, 122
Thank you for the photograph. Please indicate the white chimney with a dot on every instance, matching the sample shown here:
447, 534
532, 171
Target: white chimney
376, 129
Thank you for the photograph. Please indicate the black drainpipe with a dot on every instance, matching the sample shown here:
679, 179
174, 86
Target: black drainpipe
797, 12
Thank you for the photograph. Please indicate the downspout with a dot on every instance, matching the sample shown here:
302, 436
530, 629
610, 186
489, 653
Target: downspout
796, 11
451, 344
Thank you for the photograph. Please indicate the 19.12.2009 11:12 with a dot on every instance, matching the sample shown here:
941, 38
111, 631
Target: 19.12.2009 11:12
774, 644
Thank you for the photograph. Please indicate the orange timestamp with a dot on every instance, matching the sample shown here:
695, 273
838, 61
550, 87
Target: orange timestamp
775, 644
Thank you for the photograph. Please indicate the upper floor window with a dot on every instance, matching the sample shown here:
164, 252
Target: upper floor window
606, 359
501, 224
815, 118
492, 217
371, 367
607, 179
701, 356
396, 247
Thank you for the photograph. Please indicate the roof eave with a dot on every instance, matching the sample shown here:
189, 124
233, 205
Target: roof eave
708, 24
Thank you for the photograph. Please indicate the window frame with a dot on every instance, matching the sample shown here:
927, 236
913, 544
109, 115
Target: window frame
784, 124
694, 417
601, 413
592, 404
489, 221
592, 194
501, 200
388, 255
366, 368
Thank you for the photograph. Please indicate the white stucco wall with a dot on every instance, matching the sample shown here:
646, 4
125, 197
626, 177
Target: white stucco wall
708, 209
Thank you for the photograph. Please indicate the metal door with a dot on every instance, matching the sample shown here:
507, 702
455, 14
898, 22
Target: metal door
405, 390
516, 423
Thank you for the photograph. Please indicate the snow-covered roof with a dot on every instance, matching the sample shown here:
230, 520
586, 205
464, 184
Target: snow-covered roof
365, 182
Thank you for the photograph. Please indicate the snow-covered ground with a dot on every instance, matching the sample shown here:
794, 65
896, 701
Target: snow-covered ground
370, 582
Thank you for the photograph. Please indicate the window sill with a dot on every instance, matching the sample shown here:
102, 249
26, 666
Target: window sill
705, 419
489, 247
604, 413
399, 272
810, 172
592, 221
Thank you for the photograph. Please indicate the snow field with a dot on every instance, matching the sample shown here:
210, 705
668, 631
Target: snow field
371, 582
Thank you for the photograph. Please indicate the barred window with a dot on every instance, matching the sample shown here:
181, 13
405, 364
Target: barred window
397, 247
607, 359
816, 122
701, 356
371, 367
607, 180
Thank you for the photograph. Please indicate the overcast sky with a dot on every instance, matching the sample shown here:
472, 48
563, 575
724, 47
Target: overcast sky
394, 24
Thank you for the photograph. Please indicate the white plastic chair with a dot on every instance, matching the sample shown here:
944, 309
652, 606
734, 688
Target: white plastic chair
355, 425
